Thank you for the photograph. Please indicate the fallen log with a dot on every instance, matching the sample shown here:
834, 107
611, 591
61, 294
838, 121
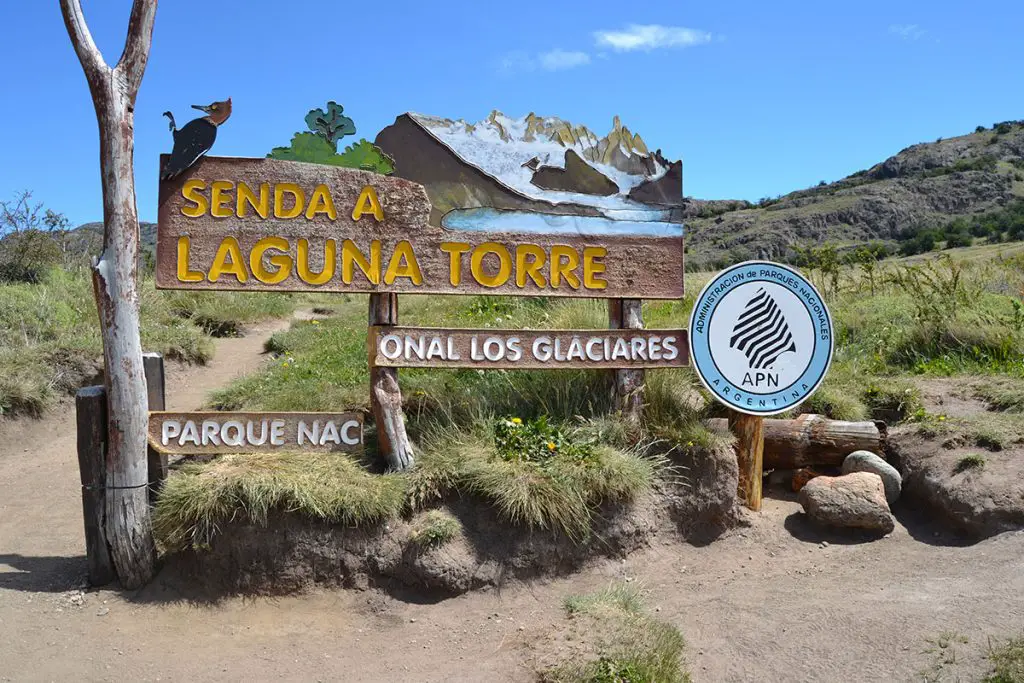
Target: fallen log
813, 440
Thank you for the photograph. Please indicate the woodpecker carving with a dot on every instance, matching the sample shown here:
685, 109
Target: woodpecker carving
196, 138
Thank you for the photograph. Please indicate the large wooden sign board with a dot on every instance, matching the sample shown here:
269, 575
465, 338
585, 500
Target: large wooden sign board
268, 225
414, 347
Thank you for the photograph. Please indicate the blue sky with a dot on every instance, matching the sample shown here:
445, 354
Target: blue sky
757, 98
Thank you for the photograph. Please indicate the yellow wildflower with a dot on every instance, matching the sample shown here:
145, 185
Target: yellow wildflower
517, 420
285, 364
551, 445
316, 322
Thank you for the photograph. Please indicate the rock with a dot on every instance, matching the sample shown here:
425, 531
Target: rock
866, 461
852, 500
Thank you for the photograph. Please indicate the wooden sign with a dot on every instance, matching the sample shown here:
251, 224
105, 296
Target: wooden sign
211, 433
267, 225
413, 347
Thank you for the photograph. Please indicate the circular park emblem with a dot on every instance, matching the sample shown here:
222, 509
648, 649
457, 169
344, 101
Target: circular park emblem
761, 337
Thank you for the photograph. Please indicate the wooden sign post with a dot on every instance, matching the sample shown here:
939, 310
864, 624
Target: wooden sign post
272, 225
749, 433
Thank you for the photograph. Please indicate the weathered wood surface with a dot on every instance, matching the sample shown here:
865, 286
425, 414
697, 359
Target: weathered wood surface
91, 418
634, 266
385, 395
115, 278
156, 390
214, 432
814, 440
414, 347
628, 383
749, 433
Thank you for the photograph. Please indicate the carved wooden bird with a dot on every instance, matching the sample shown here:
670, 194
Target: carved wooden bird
196, 138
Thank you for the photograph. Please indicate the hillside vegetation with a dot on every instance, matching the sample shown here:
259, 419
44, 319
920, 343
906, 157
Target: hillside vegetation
975, 180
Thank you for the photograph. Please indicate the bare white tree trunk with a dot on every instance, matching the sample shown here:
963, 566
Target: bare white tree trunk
115, 277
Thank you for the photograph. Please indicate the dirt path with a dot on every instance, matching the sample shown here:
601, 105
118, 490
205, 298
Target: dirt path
776, 601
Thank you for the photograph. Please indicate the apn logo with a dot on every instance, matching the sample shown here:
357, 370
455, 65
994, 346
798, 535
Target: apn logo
762, 334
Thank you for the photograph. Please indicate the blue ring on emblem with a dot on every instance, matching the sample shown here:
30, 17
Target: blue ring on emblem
700, 345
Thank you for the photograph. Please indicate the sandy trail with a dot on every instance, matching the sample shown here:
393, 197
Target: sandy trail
771, 602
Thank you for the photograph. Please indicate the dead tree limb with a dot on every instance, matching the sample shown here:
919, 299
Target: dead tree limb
115, 279
385, 394
628, 385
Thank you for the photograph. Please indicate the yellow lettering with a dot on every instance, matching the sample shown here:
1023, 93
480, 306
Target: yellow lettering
184, 274
246, 196
530, 267
592, 267
476, 264
297, 195
302, 263
455, 250
282, 262
350, 255
403, 264
228, 260
368, 203
219, 198
321, 202
191, 192
564, 268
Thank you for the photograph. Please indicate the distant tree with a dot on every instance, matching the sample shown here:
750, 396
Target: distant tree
980, 129
28, 247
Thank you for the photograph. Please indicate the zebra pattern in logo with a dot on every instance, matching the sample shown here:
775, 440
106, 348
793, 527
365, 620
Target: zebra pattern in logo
761, 332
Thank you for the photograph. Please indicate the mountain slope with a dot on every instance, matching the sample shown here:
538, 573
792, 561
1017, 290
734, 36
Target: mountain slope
925, 185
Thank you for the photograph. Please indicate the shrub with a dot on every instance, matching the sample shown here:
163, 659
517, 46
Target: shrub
26, 256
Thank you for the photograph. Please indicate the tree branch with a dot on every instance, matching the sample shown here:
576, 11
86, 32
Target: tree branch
88, 54
136, 46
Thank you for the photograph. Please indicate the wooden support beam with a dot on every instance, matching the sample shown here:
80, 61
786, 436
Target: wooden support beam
385, 395
749, 432
813, 440
91, 417
628, 384
153, 365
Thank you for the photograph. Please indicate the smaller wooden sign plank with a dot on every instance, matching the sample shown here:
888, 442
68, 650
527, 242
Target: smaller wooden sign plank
215, 432
420, 347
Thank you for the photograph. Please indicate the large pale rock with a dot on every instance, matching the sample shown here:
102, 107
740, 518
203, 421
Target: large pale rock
852, 500
866, 461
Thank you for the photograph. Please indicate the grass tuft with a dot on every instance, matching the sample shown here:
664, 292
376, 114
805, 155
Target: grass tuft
201, 497
612, 639
972, 461
1008, 661
435, 528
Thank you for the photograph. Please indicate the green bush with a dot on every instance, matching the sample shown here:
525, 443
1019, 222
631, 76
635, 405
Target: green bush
27, 256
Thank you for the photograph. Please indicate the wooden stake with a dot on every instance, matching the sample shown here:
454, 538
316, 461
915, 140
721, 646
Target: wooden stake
628, 385
155, 388
91, 416
115, 278
385, 395
749, 431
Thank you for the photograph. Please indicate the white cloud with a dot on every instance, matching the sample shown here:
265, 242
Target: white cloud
907, 31
651, 36
552, 60
558, 59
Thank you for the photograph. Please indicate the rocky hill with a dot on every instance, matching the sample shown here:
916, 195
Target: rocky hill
924, 186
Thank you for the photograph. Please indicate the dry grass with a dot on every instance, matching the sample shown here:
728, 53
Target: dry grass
610, 638
199, 498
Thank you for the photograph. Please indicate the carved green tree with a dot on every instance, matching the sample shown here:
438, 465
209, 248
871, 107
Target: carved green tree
319, 145
332, 125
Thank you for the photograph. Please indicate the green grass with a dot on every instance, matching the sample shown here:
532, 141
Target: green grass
1005, 395
199, 498
612, 639
50, 340
1008, 661
435, 528
972, 461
